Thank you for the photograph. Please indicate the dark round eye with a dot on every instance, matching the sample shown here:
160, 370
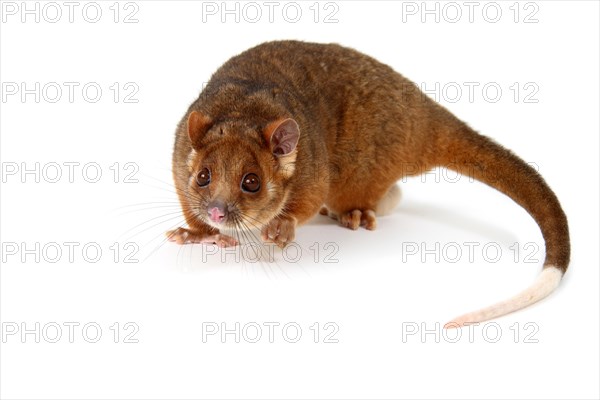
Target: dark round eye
251, 183
203, 177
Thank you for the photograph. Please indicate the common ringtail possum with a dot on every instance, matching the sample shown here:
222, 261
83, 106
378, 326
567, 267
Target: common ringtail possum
287, 129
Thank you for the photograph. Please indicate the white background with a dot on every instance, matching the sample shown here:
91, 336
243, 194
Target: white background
370, 287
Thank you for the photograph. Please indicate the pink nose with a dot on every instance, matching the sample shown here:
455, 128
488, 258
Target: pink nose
216, 214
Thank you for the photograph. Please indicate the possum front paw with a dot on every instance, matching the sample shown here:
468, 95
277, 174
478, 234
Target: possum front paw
184, 236
281, 231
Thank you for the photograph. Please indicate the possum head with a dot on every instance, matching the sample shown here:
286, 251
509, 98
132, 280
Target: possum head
238, 172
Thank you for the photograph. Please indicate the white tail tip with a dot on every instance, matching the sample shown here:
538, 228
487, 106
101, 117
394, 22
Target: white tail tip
545, 284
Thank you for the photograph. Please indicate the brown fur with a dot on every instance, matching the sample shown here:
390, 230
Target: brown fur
362, 128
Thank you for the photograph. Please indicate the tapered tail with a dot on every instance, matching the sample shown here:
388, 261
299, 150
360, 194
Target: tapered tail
545, 284
469, 153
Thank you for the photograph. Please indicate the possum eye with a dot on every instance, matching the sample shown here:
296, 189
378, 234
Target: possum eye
250, 183
203, 177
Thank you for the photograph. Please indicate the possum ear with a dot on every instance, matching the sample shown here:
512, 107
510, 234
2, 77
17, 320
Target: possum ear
282, 136
198, 125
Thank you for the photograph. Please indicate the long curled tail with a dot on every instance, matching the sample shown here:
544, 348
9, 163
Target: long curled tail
469, 153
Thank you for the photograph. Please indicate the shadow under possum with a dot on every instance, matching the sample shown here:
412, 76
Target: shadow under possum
457, 220
438, 215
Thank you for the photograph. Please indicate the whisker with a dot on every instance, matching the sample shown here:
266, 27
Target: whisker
178, 213
148, 208
263, 249
164, 240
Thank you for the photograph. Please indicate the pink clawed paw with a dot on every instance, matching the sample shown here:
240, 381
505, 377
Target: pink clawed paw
185, 236
280, 231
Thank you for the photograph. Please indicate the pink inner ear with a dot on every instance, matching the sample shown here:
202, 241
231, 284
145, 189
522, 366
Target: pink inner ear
285, 137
